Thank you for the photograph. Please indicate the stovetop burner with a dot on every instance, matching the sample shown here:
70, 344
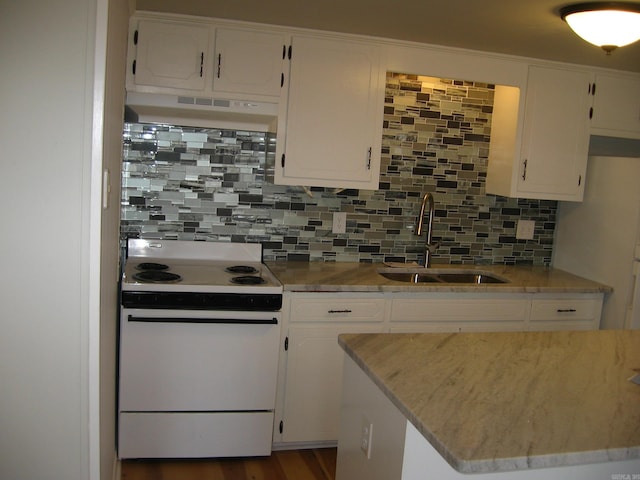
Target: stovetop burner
241, 269
156, 276
248, 280
152, 266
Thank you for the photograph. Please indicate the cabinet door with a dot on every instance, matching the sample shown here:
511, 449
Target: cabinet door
314, 381
172, 55
248, 61
313, 387
616, 106
555, 135
334, 115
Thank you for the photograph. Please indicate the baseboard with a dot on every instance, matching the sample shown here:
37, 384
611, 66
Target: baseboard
302, 445
117, 468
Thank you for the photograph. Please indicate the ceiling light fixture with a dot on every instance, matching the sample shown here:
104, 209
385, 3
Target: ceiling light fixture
606, 24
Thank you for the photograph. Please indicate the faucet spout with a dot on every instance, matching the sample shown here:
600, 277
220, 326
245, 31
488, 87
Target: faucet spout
430, 247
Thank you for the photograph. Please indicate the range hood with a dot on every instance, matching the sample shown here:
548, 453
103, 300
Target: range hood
201, 112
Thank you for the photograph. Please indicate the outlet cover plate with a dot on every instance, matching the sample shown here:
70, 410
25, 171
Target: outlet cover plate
339, 222
366, 436
525, 229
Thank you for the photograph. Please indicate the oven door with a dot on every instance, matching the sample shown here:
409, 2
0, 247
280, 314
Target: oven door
198, 361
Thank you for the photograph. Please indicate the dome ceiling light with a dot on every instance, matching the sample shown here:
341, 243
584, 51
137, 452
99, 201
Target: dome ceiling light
606, 24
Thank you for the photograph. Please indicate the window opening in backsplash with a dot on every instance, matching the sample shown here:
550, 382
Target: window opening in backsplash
189, 183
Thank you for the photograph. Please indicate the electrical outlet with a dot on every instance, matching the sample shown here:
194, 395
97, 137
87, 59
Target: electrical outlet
366, 436
524, 230
339, 222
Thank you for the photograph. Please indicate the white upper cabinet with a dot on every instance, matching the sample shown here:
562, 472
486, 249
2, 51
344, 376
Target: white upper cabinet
191, 58
334, 115
546, 157
170, 55
616, 106
249, 61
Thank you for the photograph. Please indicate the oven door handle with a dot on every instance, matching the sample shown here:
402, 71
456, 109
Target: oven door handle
222, 321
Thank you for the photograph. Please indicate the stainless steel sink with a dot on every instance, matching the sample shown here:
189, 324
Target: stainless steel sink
410, 277
470, 278
440, 276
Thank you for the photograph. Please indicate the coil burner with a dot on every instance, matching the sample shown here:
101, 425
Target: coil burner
245, 269
248, 280
156, 276
152, 266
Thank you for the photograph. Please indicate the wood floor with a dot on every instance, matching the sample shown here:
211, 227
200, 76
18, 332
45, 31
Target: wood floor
311, 464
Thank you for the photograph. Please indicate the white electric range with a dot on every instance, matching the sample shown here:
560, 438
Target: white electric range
199, 337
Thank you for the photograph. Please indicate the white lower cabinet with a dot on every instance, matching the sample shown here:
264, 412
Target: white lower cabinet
312, 362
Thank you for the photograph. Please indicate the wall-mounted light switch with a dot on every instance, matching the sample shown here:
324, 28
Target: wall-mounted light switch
339, 222
524, 230
106, 189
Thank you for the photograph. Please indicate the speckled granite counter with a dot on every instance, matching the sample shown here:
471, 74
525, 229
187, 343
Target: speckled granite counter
505, 401
364, 277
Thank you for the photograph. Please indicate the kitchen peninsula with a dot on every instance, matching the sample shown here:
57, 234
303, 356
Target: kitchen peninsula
499, 405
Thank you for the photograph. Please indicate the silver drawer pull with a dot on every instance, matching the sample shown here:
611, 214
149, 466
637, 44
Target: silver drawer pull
340, 311
566, 310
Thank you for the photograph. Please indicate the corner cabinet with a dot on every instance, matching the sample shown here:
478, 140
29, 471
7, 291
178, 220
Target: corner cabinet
192, 58
333, 115
616, 106
547, 157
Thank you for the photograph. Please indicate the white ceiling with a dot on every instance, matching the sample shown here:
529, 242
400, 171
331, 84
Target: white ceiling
530, 28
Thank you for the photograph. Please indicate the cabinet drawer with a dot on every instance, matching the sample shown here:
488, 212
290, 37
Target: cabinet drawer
437, 310
337, 310
564, 309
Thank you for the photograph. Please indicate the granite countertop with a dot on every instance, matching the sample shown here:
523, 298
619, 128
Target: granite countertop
364, 277
504, 401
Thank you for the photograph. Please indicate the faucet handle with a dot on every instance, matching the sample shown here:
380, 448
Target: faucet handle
433, 246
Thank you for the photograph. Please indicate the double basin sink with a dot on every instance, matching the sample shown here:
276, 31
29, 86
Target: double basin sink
431, 275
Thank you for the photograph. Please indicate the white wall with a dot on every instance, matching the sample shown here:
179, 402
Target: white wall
112, 59
46, 99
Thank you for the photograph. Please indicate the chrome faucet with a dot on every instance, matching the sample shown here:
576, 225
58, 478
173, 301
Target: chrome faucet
429, 247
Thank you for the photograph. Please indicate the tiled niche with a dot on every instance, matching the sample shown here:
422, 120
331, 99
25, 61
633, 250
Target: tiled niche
207, 184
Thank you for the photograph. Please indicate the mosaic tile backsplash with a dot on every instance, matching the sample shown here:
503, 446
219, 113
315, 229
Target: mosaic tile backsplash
207, 184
